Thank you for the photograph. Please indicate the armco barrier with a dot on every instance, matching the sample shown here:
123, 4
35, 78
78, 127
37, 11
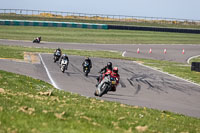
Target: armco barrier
119, 27
52, 24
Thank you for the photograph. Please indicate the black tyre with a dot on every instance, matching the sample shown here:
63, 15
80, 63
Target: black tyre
54, 59
103, 89
63, 69
95, 93
86, 74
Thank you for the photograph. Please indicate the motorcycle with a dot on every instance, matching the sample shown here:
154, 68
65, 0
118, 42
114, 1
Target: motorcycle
37, 40
105, 85
57, 56
86, 68
64, 65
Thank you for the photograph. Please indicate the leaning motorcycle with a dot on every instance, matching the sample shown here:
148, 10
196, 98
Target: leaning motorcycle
64, 65
86, 68
36, 40
57, 56
105, 85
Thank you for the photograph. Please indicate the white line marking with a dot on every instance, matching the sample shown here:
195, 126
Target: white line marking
123, 54
167, 73
49, 75
188, 61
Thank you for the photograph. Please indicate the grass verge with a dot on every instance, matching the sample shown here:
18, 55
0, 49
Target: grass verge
195, 60
77, 35
30, 105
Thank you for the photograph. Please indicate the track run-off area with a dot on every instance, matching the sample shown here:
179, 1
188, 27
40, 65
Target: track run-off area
139, 85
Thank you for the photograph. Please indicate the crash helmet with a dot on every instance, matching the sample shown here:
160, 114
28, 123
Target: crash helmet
59, 49
109, 65
115, 69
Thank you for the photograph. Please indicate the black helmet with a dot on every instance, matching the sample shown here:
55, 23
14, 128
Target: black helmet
59, 49
109, 65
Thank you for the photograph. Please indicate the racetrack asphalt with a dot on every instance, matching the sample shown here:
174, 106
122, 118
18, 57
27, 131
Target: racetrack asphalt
138, 85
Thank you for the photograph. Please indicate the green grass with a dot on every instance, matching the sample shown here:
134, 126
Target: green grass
17, 52
178, 69
150, 23
77, 35
195, 60
24, 107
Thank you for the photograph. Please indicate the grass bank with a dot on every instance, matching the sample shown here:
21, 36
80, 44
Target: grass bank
195, 59
77, 35
178, 69
30, 105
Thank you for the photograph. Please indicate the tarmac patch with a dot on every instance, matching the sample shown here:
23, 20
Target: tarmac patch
31, 57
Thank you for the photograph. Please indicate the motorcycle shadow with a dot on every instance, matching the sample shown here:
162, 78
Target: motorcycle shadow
113, 98
70, 73
115, 94
92, 76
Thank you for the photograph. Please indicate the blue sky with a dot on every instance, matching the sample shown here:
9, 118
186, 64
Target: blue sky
184, 9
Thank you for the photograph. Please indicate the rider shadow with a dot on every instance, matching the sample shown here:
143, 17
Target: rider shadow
71, 73
92, 76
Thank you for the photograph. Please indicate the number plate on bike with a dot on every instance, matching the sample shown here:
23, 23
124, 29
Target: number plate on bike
113, 82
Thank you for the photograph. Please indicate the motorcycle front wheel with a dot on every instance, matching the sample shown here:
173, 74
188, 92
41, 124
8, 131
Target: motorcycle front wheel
62, 69
103, 89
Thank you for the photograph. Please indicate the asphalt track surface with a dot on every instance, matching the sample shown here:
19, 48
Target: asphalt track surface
139, 85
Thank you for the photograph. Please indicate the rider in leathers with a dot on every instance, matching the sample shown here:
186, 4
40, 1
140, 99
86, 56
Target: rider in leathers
103, 71
116, 76
87, 59
56, 51
113, 74
64, 57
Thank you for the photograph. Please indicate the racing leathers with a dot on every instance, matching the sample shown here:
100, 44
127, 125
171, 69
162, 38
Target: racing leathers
64, 57
113, 75
87, 60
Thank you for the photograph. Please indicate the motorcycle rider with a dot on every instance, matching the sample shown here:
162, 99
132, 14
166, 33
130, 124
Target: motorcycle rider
116, 76
87, 59
108, 68
57, 54
58, 50
64, 57
39, 39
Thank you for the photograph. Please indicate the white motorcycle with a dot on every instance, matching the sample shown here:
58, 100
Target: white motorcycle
64, 65
106, 85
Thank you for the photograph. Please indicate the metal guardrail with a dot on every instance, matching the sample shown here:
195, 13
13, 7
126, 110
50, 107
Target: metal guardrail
104, 17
